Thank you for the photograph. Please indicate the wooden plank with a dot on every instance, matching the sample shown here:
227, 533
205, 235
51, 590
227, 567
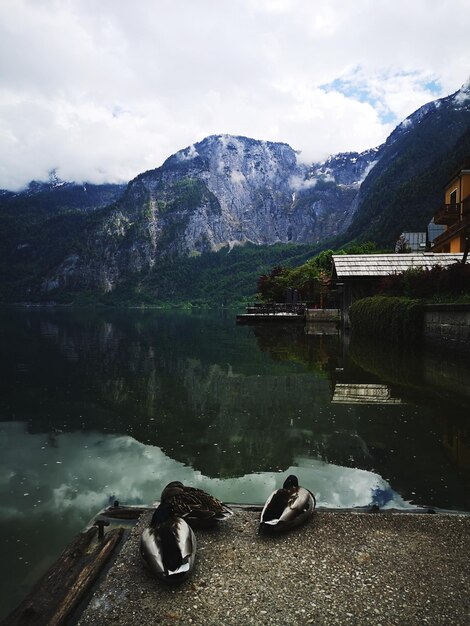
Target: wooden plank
71, 575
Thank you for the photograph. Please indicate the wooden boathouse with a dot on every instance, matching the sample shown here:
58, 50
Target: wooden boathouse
359, 275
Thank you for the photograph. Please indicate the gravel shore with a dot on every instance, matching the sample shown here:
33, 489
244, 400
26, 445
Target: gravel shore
341, 568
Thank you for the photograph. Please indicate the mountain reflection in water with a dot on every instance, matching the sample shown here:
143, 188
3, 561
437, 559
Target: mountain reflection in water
99, 405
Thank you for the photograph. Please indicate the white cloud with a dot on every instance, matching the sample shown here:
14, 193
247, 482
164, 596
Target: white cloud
297, 183
188, 154
103, 91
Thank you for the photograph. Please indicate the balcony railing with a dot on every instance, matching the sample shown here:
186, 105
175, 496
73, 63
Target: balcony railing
461, 226
452, 213
447, 214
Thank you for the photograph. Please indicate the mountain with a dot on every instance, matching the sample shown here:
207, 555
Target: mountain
230, 190
222, 206
222, 192
404, 189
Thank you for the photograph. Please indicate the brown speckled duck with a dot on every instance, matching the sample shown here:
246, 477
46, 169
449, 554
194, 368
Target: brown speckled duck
195, 506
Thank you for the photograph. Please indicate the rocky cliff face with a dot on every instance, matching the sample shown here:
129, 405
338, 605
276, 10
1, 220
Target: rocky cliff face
231, 190
223, 191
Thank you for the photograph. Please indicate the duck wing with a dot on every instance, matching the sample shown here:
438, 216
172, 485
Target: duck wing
300, 505
150, 551
286, 508
275, 506
196, 505
177, 544
169, 549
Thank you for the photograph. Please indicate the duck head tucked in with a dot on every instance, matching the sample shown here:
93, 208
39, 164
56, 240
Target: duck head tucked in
168, 546
287, 507
195, 506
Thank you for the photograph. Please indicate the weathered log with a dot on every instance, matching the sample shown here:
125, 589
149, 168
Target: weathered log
86, 578
61, 588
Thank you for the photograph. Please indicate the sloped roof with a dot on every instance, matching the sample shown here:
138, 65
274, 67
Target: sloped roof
357, 265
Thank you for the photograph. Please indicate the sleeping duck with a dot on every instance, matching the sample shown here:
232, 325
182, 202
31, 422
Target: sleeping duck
195, 506
287, 507
168, 546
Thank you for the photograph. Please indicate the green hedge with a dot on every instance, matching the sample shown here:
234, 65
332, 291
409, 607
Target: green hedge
393, 319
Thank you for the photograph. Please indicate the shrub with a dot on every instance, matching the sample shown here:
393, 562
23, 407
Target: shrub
436, 283
390, 318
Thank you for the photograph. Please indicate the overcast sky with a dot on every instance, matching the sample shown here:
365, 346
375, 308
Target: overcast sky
103, 90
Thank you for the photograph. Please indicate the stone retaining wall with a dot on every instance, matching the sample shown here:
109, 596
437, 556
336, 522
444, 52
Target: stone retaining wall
448, 325
322, 315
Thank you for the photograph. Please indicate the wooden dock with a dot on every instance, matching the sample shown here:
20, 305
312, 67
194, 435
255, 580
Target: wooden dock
256, 318
273, 312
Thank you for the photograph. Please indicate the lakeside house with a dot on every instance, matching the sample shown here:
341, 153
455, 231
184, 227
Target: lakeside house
454, 214
359, 275
411, 242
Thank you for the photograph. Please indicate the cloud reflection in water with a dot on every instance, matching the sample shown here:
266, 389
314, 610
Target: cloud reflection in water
80, 472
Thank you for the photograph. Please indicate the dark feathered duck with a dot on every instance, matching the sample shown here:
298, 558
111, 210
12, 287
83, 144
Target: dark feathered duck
195, 506
287, 507
168, 546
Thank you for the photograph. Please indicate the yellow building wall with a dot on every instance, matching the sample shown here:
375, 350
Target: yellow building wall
462, 183
455, 245
454, 186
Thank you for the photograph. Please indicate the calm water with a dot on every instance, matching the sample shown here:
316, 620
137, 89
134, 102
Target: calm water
98, 406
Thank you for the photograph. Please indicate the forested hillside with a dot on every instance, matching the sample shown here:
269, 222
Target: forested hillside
404, 189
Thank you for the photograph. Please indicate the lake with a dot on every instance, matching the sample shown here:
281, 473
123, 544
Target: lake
99, 405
